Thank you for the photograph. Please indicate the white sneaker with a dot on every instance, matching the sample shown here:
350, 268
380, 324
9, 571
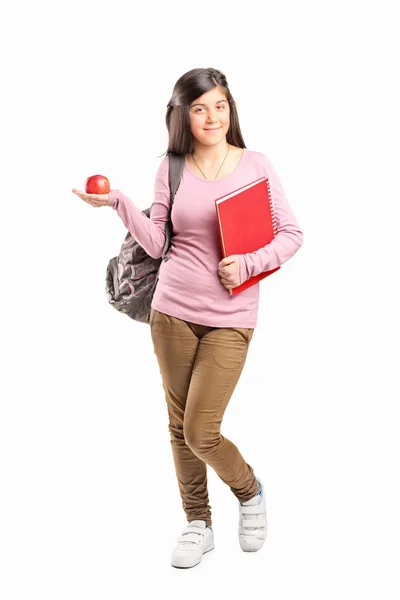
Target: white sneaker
253, 522
196, 539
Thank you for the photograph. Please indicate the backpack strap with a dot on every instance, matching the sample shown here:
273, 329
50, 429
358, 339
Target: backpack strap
176, 164
175, 170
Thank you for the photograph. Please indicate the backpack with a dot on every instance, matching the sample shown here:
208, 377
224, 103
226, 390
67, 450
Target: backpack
132, 276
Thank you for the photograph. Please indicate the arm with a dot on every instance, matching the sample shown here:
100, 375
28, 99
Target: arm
148, 232
287, 241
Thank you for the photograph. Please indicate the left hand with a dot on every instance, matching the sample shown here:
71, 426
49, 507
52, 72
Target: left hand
229, 271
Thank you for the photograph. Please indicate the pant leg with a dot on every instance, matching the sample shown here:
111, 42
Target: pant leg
175, 345
219, 363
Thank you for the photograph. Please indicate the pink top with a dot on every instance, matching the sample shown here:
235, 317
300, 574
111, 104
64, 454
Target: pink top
189, 286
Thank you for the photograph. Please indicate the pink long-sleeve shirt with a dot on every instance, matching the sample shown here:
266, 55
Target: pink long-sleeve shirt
189, 286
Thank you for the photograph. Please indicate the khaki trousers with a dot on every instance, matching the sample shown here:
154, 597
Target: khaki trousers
200, 367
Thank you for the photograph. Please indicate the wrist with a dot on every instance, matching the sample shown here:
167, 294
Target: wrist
242, 269
112, 198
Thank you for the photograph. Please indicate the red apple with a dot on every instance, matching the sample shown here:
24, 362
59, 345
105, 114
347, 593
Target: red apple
97, 184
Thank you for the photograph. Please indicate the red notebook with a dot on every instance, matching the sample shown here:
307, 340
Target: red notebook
247, 222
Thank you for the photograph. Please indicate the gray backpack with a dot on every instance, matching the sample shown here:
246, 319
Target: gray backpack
132, 276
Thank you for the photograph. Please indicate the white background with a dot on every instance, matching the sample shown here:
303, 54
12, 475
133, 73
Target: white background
89, 506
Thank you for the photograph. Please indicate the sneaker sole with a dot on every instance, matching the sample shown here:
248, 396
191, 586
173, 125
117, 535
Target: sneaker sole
246, 548
194, 564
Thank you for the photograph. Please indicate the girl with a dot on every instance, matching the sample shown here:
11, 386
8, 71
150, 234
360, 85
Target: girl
200, 333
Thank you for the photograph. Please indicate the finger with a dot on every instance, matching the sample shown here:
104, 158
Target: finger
89, 201
227, 261
88, 197
98, 199
81, 195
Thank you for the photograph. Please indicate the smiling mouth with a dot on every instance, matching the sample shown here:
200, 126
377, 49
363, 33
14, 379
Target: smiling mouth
212, 128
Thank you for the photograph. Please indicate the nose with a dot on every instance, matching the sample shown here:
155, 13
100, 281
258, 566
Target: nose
211, 118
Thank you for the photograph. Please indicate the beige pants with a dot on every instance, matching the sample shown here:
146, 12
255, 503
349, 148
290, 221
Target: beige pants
200, 367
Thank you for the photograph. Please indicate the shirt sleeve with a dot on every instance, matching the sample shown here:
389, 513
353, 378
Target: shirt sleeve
288, 238
148, 232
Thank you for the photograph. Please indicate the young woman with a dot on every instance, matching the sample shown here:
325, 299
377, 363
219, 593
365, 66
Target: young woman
201, 333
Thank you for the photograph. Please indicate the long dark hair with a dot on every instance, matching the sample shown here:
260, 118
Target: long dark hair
190, 86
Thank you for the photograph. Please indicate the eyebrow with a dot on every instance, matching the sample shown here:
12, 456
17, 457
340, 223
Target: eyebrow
198, 104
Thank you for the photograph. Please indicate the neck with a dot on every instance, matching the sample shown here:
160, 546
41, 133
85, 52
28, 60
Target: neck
210, 155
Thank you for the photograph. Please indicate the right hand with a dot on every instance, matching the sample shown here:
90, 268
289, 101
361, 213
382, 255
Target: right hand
95, 200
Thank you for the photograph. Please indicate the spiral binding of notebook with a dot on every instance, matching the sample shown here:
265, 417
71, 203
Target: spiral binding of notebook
272, 207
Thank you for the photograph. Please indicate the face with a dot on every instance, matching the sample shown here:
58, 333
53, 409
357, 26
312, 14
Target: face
207, 113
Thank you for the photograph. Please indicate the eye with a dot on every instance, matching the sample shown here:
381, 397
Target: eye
219, 106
